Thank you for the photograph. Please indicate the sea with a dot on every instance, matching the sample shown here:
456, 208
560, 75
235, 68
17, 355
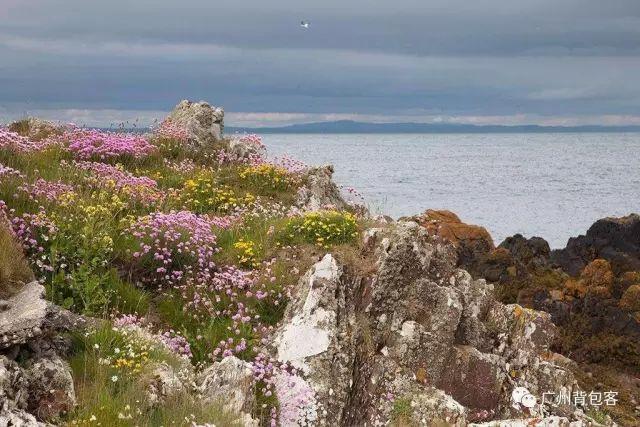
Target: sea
552, 185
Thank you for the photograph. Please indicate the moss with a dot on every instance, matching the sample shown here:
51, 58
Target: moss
402, 411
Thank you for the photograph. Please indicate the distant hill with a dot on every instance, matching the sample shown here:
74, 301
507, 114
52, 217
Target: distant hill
349, 126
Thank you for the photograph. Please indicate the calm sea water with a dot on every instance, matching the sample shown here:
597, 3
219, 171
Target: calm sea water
549, 185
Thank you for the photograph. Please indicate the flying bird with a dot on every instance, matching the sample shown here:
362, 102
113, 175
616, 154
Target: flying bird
305, 24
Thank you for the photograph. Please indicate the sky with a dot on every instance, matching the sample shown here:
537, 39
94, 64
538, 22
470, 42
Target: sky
99, 62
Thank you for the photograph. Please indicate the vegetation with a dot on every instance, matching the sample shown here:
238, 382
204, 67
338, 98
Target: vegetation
196, 248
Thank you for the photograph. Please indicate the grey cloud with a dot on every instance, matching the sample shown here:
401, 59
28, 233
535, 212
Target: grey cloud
491, 57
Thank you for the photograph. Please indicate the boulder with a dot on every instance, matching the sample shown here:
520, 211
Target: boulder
615, 239
19, 418
471, 241
22, 316
203, 123
230, 382
162, 382
242, 149
51, 390
418, 338
13, 386
319, 191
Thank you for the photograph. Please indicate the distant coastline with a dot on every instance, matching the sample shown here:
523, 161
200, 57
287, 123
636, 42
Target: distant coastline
348, 126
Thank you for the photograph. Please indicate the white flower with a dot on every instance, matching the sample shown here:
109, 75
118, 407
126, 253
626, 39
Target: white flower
114, 378
96, 346
93, 418
116, 350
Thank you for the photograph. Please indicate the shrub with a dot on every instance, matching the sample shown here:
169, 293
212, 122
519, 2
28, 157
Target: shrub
173, 247
322, 228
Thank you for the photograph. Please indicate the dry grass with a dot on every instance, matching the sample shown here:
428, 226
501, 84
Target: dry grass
14, 270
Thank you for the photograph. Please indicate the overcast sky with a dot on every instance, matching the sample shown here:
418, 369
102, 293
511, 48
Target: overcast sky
470, 61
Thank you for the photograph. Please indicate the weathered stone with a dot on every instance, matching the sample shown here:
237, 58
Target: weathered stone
51, 390
471, 241
229, 382
615, 239
19, 418
418, 329
319, 191
162, 382
204, 124
13, 386
241, 149
24, 316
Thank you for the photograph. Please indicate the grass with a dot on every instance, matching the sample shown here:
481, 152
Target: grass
125, 401
14, 269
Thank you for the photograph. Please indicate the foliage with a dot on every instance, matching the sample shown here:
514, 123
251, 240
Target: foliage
322, 228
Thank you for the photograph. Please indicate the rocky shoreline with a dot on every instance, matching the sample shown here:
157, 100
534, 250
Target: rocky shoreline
420, 321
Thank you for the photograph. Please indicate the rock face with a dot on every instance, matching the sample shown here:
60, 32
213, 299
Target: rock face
471, 241
615, 239
319, 191
229, 381
51, 390
22, 316
418, 339
243, 150
203, 123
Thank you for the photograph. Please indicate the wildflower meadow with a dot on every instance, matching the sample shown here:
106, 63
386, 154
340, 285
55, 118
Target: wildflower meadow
191, 247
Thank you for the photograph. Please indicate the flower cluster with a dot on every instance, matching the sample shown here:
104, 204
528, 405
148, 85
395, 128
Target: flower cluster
6, 171
297, 399
170, 129
322, 228
176, 343
268, 176
47, 190
91, 143
13, 141
115, 178
173, 247
246, 253
34, 232
201, 195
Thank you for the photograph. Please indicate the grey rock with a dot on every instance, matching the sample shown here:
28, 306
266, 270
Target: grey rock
19, 418
241, 150
319, 191
203, 123
23, 319
419, 332
13, 386
162, 382
51, 390
230, 382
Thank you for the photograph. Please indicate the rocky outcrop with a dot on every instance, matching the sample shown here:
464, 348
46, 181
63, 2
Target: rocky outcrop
22, 316
615, 239
419, 338
229, 382
51, 390
471, 241
245, 150
319, 191
203, 123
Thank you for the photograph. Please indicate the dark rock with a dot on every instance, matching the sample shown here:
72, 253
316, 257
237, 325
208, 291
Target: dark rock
615, 239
